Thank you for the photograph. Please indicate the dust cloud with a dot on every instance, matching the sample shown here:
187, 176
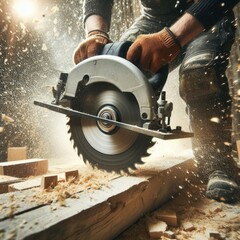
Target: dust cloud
33, 52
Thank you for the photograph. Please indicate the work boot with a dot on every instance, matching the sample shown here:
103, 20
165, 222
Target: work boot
221, 188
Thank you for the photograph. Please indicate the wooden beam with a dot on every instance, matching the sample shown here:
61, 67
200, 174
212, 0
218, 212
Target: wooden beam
100, 214
24, 168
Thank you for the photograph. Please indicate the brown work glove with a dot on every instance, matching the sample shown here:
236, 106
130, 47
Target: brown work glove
91, 46
153, 51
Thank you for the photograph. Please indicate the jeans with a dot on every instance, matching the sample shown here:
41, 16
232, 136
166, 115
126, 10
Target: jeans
203, 86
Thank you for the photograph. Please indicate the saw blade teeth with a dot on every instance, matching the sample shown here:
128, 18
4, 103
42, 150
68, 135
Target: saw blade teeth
85, 161
117, 150
146, 154
141, 162
134, 167
152, 143
124, 171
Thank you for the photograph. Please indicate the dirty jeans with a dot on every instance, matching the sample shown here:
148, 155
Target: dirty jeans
204, 88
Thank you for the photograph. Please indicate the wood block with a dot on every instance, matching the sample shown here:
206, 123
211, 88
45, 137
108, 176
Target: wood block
188, 226
17, 153
5, 181
156, 228
28, 184
24, 168
215, 235
71, 175
167, 216
50, 181
169, 234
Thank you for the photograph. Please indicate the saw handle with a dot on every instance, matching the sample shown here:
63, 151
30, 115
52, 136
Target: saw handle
159, 79
117, 49
120, 49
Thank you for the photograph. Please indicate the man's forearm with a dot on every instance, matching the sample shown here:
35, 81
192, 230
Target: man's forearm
96, 22
101, 8
209, 12
186, 28
192, 23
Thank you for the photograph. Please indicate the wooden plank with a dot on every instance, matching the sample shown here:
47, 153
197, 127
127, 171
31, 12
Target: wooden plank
104, 213
24, 168
17, 153
28, 184
5, 181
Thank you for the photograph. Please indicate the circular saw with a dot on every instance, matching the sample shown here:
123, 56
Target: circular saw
114, 110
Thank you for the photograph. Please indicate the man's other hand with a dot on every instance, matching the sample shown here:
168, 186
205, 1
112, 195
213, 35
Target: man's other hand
91, 46
153, 51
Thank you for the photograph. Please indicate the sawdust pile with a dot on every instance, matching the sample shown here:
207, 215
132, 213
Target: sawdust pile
91, 180
198, 218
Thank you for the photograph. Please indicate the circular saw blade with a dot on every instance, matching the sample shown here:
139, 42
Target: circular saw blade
105, 145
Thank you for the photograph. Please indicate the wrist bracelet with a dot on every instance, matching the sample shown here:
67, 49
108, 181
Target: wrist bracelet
97, 31
175, 39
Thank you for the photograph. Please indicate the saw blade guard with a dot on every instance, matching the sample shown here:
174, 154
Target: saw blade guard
118, 72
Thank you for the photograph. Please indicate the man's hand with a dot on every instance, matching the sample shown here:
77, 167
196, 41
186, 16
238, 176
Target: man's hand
91, 46
153, 51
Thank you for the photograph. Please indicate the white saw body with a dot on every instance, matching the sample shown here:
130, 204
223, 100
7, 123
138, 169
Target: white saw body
115, 71
114, 110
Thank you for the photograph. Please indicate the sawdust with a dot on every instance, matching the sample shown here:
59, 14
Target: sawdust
12, 206
92, 180
203, 217
197, 216
56, 197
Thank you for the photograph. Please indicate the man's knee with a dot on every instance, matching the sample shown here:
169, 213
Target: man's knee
200, 78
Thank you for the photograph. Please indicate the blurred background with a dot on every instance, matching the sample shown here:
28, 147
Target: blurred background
37, 41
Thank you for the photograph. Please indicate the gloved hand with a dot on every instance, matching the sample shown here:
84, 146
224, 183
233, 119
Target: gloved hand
153, 51
91, 46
